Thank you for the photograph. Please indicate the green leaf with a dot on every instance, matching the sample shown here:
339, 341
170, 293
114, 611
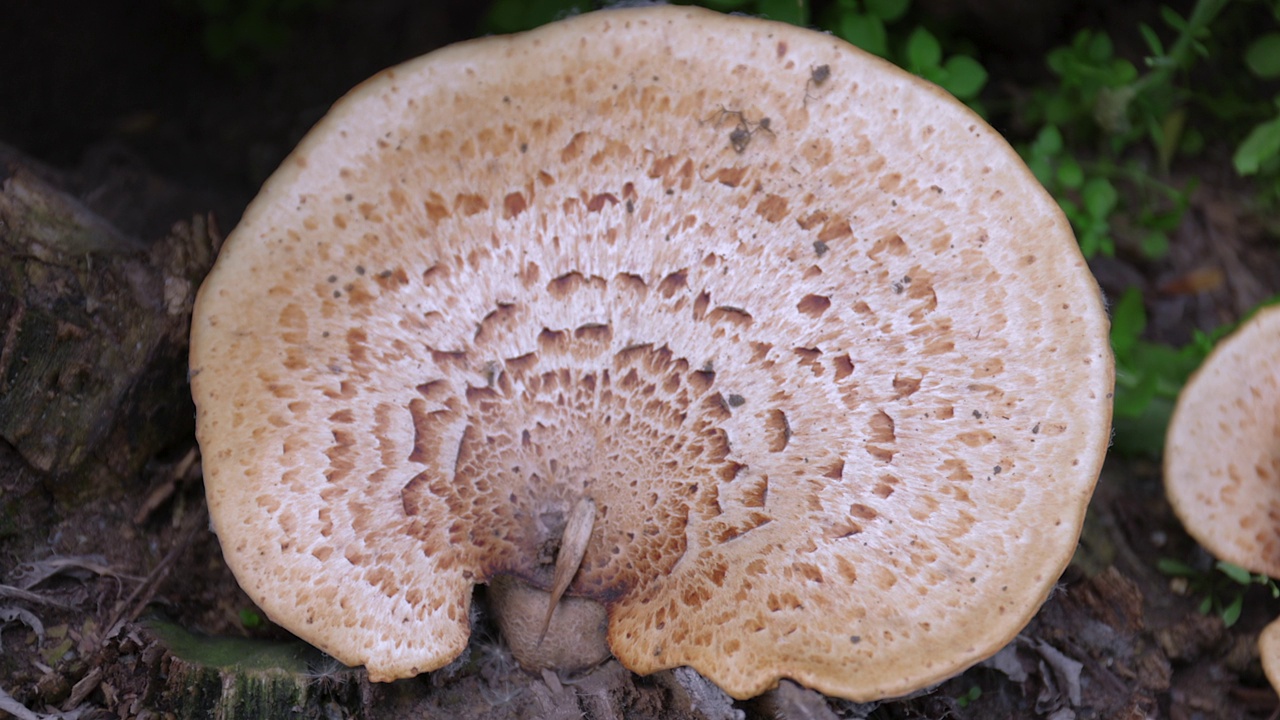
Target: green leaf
1128, 320
1094, 241
1174, 20
1142, 435
1263, 56
1060, 110
1057, 60
1070, 174
1172, 365
1123, 72
1231, 613
1164, 222
865, 31
1100, 197
1235, 572
1175, 568
1155, 245
795, 12
1205, 605
965, 76
1041, 168
971, 695
1153, 41
1262, 144
888, 10
923, 51
1132, 402
1048, 141
1097, 46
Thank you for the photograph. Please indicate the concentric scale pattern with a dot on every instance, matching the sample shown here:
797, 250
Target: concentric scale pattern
804, 328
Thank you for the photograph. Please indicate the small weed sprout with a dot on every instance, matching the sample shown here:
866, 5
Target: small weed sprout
969, 697
1221, 589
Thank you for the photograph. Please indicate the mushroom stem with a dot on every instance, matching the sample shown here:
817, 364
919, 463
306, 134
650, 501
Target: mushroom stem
573, 545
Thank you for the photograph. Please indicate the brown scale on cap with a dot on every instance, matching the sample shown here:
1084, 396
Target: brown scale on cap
839, 394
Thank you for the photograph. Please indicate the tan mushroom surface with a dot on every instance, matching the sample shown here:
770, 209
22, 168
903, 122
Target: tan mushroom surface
1222, 450
1222, 458
812, 339
1269, 650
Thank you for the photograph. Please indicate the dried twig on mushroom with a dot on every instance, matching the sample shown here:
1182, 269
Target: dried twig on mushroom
573, 545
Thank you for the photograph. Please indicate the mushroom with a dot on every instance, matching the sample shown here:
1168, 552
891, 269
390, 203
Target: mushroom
823, 357
1222, 457
1269, 649
1222, 449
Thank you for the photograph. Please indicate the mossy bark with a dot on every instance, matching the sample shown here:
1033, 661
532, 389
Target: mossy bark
241, 679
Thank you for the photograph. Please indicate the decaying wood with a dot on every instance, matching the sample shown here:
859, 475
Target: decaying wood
93, 329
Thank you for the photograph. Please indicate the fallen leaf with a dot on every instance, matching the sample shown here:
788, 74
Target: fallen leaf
26, 617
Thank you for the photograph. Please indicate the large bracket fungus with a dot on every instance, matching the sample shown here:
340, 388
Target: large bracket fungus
812, 339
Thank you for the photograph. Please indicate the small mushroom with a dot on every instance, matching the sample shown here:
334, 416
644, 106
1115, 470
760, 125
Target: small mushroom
1222, 456
1222, 451
1269, 650
837, 397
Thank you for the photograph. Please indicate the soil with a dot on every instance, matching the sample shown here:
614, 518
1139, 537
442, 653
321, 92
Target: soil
148, 129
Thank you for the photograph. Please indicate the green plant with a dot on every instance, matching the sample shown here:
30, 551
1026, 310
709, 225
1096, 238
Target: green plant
250, 619
1087, 192
969, 696
1260, 148
867, 23
1222, 592
1259, 152
1148, 377
1105, 104
960, 75
1087, 201
1090, 78
1099, 91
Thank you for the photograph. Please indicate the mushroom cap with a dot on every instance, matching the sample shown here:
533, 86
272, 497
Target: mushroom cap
1222, 450
1269, 651
838, 381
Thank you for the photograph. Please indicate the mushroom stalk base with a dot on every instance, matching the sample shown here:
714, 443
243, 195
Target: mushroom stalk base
575, 638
